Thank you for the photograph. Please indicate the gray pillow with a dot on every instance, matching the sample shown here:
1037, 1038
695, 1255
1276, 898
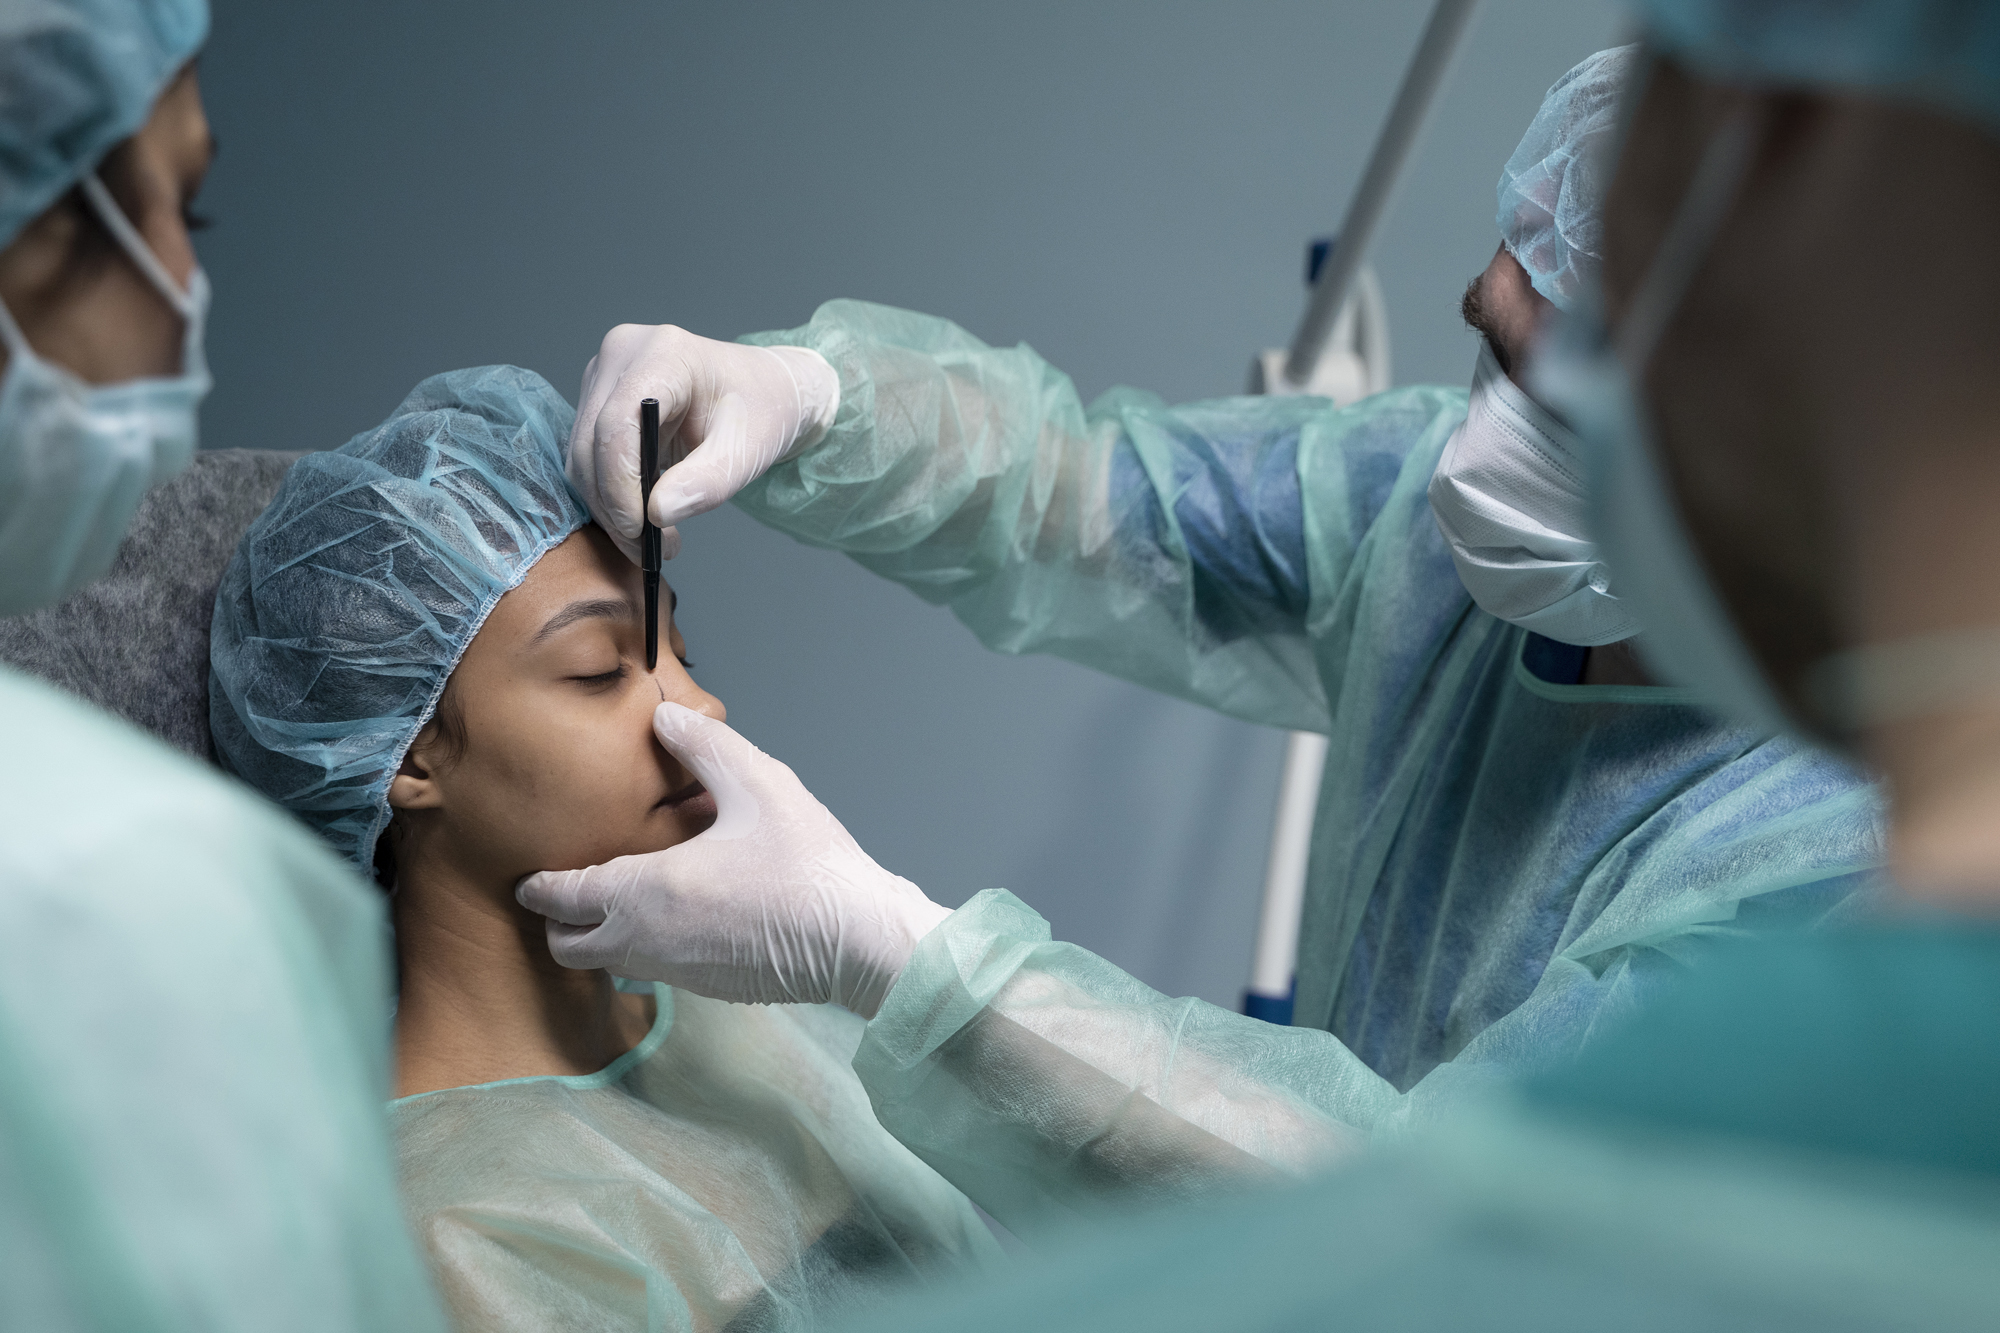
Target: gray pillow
136, 641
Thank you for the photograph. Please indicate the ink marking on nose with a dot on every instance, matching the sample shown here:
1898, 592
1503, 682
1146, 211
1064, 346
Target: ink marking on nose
661, 688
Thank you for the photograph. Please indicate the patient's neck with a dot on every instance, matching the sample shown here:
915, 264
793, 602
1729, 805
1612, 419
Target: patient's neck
480, 997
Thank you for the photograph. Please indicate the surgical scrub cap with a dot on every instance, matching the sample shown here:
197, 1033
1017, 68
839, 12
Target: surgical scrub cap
351, 599
1552, 188
1944, 53
77, 78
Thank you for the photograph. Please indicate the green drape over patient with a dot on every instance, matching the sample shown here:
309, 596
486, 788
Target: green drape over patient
1502, 856
726, 1172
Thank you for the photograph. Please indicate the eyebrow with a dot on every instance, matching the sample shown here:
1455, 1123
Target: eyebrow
595, 608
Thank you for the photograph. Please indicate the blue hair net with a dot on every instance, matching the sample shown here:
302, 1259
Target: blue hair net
78, 77
1945, 53
1552, 188
351, 599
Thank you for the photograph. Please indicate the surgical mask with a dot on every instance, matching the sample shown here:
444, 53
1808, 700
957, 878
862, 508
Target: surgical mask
1591, 378
76, 458
1508, 495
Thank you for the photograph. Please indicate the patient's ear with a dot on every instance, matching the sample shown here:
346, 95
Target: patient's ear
415, 786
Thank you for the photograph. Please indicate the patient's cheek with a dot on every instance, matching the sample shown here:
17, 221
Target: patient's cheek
593, 821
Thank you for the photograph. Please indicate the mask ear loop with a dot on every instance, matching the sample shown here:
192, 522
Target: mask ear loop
1875, 683
134, 245
11, 335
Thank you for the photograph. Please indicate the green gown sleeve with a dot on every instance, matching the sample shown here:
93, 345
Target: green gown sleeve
1165, 545
1050, 1086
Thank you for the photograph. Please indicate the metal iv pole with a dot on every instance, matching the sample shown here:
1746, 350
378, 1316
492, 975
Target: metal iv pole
1334, 310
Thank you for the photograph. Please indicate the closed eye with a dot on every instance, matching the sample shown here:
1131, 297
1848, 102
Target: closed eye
604, 680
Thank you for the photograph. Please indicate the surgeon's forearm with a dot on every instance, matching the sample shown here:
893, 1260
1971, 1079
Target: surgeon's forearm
1162, 544
1035, 1132
1044, 1082
1069, 1117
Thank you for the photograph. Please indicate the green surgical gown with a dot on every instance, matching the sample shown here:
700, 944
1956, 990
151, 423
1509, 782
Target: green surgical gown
1502, 856
726, 1172
194, 1022
1801, 1140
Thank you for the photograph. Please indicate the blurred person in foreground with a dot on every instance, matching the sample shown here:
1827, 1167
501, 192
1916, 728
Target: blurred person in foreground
194, 994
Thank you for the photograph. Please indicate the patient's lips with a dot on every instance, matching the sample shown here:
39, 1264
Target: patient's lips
692, 802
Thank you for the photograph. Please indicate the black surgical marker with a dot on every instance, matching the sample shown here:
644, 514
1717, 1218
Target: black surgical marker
649, 536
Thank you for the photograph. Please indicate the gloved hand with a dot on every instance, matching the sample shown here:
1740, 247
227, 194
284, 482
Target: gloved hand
727, 413
774, 903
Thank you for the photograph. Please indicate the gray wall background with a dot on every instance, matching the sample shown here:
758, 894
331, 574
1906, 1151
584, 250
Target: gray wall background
1126, 185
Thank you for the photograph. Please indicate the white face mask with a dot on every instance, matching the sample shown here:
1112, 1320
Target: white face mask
76, 458
1509, 496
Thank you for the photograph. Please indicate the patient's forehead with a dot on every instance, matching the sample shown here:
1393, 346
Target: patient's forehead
583, 565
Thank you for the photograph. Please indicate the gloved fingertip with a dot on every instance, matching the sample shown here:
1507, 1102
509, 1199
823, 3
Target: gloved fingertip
675, 500
532, 890
560, 896
626, 545
571, 947
676, 721
670, 543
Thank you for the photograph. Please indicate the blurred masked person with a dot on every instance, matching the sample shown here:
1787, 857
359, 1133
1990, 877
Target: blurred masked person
193, 992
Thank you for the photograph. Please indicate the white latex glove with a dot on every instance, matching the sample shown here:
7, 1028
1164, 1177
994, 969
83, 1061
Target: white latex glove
727, 413
774, 904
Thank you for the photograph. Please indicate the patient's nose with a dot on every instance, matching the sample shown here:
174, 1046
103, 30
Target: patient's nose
688, 694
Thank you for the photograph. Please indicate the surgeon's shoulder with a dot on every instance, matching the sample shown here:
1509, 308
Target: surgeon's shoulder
83, 788
1410, 423
1366, 467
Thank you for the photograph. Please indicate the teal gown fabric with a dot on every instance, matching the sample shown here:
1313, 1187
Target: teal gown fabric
194, 1050
1502, 857
726, 1173
1798, 1140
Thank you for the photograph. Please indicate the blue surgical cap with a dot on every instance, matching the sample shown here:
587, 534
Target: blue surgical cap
1942, 53
77, 78
351, 599
1552, 189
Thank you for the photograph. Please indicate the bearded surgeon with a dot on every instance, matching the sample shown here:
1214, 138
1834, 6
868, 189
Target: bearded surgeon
1520, 832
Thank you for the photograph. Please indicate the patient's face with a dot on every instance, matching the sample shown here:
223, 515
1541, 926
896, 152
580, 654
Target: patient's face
559, 768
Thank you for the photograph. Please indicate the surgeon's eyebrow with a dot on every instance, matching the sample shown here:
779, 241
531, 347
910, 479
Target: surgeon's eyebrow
595, 608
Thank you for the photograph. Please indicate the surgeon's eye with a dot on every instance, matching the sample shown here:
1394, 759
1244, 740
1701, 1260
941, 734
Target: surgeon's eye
194, 221
602, 681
